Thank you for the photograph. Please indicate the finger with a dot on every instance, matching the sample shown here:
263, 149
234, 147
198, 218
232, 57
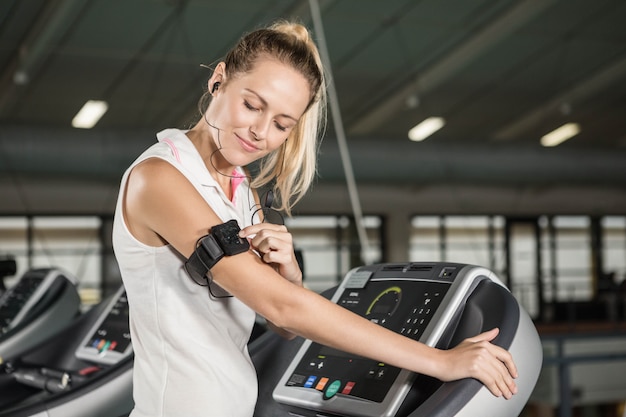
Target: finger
487, 367
264, 235
267, 242
507, 360
493, 388
275, 257
487, 336
501, 374
256, 228
506, 384
493, 375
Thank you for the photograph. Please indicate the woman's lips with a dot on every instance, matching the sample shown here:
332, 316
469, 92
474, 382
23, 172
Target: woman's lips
247, 146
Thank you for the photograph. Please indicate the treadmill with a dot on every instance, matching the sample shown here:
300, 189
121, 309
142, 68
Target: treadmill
41, 303
84, 370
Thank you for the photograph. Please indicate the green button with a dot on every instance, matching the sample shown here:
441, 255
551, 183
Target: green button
332, 389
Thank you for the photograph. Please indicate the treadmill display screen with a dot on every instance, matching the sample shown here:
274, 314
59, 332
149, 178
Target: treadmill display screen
113, 334
403, 306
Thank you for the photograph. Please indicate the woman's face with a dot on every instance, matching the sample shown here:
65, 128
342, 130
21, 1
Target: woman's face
256, 111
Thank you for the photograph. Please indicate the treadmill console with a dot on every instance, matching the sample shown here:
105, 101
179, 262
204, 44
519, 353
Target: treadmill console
405, 307
19, 302
108, 340
422, 301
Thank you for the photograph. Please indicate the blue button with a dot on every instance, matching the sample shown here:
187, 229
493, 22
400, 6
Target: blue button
309, 382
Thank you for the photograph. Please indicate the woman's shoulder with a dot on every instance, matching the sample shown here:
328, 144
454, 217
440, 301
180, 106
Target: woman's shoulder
156, 175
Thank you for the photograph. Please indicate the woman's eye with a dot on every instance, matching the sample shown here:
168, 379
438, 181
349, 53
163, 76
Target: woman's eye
280, 127
249, 106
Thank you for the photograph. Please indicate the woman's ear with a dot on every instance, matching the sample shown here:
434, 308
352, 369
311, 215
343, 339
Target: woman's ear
218, 77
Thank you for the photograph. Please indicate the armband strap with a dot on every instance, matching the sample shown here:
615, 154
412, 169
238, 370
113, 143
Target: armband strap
208, 252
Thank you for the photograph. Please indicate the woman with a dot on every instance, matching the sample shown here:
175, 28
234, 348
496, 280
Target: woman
267, 101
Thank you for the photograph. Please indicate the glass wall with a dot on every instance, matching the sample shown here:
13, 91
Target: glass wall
330, 246
72, 244
523, 263
544, 260
426, 239
614, 247
568, 258
476, 240
14, 244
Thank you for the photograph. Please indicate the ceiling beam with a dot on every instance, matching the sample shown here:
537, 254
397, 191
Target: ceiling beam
52, 24
609, 75
48, 152
458, 59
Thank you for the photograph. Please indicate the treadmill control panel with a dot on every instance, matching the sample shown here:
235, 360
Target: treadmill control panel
108, 341
405, 307
20, 300
417, 300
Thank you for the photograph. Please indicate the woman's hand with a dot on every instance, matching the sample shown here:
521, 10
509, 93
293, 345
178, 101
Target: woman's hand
274, 244
478, 358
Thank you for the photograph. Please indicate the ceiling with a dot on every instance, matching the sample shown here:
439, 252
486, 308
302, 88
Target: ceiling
501, 72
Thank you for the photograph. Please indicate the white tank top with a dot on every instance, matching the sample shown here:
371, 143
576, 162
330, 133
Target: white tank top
191, 356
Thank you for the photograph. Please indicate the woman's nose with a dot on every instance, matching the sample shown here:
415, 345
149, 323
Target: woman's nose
260, 128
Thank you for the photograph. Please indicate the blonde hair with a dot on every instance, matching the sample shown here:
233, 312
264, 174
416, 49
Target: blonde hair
293, 166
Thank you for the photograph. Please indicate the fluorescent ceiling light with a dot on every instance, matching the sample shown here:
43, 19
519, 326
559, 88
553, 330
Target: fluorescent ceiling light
561, 134
89, 115
426, 128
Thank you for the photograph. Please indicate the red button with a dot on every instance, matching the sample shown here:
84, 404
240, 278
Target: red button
348, 388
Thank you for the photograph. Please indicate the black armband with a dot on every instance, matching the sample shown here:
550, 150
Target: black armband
222, 240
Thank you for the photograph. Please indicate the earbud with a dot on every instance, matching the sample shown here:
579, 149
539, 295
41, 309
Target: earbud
216, 85
269, 199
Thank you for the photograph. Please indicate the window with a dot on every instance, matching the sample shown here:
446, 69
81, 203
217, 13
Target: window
14, 244
71, 243
330, 246
426, 239
476, 240
571, 258
614, 246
